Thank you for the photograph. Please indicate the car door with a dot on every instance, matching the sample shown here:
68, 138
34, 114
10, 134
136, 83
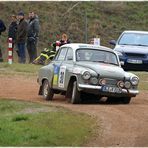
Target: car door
58, 70
67, 65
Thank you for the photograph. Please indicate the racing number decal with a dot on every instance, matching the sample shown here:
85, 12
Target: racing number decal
61, 76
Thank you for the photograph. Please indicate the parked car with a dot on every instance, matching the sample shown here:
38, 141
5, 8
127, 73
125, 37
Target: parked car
82, 69
132, 48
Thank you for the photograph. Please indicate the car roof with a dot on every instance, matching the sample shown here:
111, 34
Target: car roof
135, 31
81, 45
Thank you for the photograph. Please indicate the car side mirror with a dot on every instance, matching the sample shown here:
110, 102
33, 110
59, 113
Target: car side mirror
121, 63
112, 42
70, 58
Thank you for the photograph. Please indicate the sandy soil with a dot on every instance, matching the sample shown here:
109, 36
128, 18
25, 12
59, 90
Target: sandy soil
118, 125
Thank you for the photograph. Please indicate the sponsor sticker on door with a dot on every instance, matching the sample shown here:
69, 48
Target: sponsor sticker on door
61, 79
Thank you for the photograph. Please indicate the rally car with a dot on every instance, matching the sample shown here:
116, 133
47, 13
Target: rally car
81, 69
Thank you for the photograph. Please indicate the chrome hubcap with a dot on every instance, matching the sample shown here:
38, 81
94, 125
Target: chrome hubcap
45, 89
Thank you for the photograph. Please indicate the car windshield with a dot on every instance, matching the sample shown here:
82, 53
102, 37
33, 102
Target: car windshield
95, 55
135, 39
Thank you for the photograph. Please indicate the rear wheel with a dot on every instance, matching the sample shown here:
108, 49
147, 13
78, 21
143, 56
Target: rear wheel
47, 91
75, 99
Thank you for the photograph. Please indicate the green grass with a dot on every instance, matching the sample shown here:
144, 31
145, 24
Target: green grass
33, 124
143, 83
14, 68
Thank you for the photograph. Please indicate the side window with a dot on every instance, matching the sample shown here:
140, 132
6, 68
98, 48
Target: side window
57, 55
62, 54
69, 56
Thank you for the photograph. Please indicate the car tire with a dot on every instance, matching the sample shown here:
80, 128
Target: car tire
89, 98
75, 99
126, 100
47, 91
112, 100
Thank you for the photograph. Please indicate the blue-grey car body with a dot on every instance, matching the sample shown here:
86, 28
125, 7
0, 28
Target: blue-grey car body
132, 48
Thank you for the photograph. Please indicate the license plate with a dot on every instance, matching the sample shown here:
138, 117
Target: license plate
111, 89
133, 61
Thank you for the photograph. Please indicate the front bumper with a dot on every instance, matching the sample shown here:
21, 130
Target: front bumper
134, 66
98, 90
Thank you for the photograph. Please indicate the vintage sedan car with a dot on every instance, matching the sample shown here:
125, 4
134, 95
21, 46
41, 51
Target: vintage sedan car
132, 48
82, 69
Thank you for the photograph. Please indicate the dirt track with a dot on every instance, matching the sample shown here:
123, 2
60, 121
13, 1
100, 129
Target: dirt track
122, 125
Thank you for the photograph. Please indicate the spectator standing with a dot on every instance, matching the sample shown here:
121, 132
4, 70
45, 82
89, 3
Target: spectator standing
32, 36
21, 37
13, 30
2, 29
64, 39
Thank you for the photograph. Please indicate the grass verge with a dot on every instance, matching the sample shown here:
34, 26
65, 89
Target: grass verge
17, 68
32, 124
143, 83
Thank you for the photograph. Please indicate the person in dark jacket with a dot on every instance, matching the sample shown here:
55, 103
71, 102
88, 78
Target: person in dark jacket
2, 29
13, 30
21, 37
32, 36
2, 26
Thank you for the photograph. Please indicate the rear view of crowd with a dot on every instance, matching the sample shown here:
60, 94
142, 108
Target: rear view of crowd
24, 34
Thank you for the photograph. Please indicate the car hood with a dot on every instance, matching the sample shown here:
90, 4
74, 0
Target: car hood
131, 49
104, 70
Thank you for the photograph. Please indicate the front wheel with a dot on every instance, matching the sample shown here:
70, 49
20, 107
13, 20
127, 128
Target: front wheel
75, 94
111, 100
126, 100
47, 91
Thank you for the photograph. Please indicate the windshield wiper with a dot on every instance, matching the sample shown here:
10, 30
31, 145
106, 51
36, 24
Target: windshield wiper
140, 45
113, 64
99, 61
134, 44
124, 44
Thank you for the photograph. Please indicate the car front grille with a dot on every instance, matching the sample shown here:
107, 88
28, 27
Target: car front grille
135, 55
111, 81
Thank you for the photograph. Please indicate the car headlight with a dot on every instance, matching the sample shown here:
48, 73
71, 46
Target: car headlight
134, 80
93, 80
102, 82
120, 84
86, 75
127, 84
119, 53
